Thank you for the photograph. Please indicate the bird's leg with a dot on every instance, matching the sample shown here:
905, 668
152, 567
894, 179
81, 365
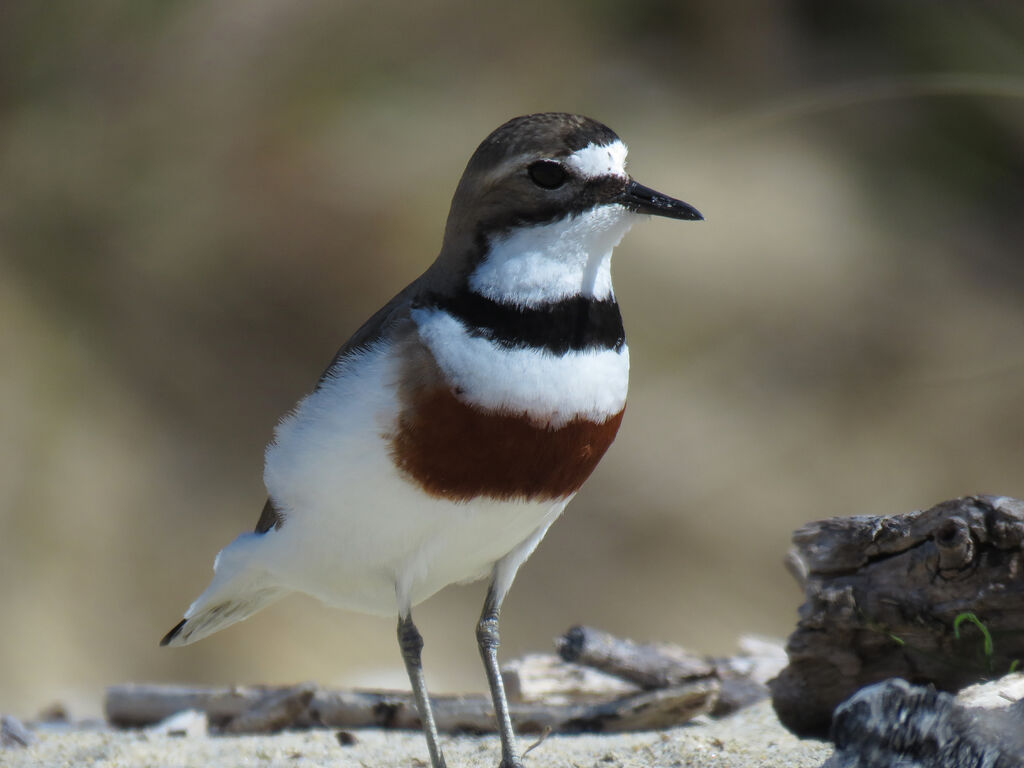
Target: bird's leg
411, 642
488, 640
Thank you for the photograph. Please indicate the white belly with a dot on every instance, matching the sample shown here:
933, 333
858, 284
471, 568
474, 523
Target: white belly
356, 534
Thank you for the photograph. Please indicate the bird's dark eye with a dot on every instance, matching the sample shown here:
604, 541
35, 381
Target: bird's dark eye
547, 174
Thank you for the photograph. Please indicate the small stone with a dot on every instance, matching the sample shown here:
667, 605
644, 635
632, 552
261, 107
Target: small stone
896, 723
346, 738
13, 734
53, 713
995, 694
188, 722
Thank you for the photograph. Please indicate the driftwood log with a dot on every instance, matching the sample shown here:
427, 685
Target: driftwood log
614, 684
882, 599
258, 709
741, 680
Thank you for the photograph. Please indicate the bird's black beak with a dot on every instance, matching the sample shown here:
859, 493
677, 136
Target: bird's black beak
641, 199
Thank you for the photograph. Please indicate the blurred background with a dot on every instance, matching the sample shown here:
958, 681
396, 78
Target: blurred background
199, 201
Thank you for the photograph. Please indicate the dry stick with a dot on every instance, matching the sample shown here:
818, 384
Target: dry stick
238, 709
649, 666
741, 678
274, 712
546, 678
540, 740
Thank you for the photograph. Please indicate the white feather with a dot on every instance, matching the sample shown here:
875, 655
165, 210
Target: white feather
550, 262
552, 389
240, 587
357, 534
596, 160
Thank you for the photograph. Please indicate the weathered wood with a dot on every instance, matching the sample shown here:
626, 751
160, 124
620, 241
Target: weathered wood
657, 709
997, 694
896, 723
137, 705
273, 712
742, 679
236, 710
650, 710
545, 692
760, 659
650, 666
882, 594
544, 677
378, 709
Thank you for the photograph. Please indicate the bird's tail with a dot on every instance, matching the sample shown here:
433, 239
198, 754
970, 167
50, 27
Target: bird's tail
239, 588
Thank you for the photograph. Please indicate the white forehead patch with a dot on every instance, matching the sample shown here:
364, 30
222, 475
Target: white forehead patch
599, 160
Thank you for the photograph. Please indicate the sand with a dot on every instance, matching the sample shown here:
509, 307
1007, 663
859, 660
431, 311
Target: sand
752, 737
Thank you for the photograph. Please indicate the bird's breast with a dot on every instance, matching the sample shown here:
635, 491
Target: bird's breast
482, 418
549, 388
458, 451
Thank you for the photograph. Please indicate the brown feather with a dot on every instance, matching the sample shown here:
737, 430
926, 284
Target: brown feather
457, 451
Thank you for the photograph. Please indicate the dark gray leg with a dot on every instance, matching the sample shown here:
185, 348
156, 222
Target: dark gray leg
488, 640
411, 642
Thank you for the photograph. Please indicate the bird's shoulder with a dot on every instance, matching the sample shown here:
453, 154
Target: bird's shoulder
385, 323
389, 323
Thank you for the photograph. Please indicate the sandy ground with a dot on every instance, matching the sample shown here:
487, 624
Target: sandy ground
753, 737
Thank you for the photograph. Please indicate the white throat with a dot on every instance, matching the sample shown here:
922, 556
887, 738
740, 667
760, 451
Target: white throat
549, 262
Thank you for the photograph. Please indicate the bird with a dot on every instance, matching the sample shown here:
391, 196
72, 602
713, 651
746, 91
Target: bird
453, 428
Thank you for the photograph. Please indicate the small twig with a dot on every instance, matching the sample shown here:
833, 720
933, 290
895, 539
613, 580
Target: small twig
649, 666
540, 740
